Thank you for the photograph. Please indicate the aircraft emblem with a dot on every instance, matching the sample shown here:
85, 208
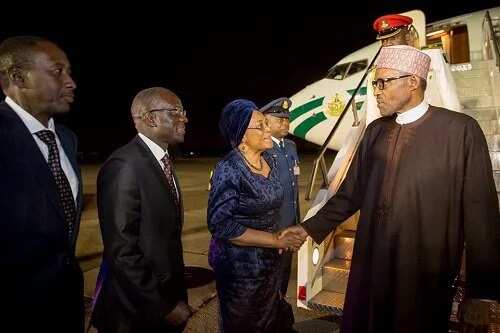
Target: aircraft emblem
335, 107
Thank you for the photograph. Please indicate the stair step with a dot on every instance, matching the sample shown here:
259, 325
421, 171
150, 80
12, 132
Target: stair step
482, 113
328, 302
472, 98
480, 64
490, 127
473, 84
335, 275
495, 160
344, 244
493, 142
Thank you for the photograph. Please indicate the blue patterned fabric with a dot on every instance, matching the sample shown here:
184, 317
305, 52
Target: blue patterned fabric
247, 278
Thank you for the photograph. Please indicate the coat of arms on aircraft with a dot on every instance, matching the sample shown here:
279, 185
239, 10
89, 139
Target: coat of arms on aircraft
335, 107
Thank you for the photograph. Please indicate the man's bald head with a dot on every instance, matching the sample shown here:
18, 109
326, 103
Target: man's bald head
158, 114
149, 98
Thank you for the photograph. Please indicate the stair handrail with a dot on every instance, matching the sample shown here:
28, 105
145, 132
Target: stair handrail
496, 46
320, 160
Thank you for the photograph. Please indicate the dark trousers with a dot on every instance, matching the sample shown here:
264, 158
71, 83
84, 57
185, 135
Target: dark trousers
286, 317
285, 268
41, 308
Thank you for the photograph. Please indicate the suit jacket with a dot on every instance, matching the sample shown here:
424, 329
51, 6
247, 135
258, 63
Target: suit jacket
41, 277
287, 159
141, 229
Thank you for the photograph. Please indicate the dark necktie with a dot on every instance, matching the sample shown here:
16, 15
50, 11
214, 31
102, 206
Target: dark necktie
168, 170
62, 183
282, 144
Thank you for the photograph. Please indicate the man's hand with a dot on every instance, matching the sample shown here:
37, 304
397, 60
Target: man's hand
292, 238
179, 315
474, 314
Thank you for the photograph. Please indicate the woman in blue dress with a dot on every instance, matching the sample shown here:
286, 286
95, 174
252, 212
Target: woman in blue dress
243, 209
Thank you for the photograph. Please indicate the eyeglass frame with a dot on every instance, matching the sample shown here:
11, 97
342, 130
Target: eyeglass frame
387, 79
262, 128
177, 113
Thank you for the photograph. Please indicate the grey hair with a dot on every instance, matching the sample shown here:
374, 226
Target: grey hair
146, 99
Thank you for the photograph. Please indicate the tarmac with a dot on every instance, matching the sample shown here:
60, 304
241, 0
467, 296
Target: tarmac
193, 174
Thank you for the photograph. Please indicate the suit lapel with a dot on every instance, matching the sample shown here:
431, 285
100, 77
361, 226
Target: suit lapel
158, 171
181, 205
148, 155
31, 157
275, 150
69, 150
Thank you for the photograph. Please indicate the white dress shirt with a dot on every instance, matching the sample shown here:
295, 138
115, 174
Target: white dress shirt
278, 141
34, 126
412, 114
158, 153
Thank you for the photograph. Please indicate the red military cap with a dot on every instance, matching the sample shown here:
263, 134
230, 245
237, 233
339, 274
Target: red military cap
390, 25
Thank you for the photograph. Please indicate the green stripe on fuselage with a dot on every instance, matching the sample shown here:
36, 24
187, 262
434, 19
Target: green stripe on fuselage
305, 126
309, 123
297, 112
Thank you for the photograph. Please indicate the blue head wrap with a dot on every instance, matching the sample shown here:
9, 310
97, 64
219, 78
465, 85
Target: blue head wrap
234, 120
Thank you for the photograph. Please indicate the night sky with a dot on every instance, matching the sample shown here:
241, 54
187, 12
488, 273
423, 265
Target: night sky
207, 56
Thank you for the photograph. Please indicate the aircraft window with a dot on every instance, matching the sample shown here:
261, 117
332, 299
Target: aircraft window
357, 67
338, 72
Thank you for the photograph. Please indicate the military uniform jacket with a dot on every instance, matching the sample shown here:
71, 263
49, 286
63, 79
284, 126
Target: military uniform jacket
287, 159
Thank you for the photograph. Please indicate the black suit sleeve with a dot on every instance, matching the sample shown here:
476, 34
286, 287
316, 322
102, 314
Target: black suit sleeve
120, 213
481, 219
342, 205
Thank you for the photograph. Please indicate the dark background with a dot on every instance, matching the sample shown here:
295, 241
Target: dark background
208, 56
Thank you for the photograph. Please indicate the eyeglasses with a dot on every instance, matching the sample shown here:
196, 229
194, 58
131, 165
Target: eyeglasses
380, 83
176, 112
261, 127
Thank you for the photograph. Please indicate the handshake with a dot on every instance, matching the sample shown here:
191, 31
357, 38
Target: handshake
291, 238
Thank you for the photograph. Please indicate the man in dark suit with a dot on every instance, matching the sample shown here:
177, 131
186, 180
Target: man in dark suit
40, 191
285, 152
141, 216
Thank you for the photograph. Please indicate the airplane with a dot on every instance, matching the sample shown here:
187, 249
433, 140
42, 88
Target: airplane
316, 107
471, 45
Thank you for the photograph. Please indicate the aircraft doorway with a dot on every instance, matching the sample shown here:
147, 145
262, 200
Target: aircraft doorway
454, 41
